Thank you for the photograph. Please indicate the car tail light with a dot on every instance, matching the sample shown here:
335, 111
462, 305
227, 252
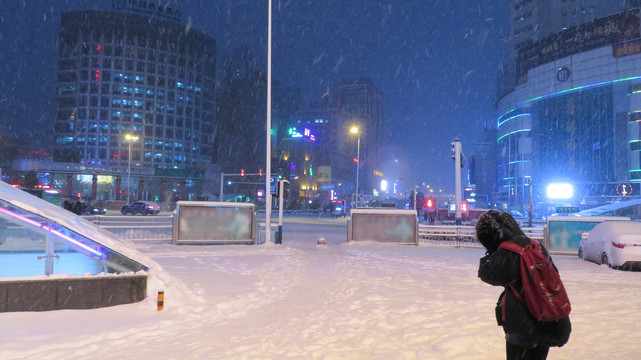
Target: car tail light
618, 245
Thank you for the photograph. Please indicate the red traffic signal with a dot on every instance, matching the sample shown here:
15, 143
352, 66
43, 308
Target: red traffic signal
260, 172
242, 172
464, 206
429, 203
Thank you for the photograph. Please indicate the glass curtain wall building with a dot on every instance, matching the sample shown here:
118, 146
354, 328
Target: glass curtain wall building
148, 76
571, 114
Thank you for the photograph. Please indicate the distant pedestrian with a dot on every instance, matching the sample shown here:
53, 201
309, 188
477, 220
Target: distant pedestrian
526, 337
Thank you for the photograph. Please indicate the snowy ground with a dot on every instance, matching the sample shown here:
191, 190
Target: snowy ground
339, 301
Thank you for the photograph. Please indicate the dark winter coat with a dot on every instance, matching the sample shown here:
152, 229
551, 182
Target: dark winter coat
501, 267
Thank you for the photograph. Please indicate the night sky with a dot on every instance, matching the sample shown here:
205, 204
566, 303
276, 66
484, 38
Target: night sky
435, 61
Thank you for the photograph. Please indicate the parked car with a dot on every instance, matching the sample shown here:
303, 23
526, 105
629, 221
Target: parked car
613, 243
141, 207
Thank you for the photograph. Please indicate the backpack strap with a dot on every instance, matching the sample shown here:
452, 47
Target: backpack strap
514, 247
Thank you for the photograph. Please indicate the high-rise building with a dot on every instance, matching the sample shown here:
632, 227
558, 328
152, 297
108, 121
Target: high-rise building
568, 107
483, 167
330, 154
362, 105
334, 150
134, 71
532, 20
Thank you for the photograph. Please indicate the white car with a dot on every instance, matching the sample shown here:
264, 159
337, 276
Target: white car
614, 243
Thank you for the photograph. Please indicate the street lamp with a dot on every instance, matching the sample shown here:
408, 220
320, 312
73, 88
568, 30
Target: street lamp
355, 130
130, 139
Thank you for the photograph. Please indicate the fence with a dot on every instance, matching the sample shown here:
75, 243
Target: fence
156, 228
160, 228
462, 236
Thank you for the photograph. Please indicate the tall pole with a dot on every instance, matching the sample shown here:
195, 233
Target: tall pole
222, 180
529, 199
268, 157
129, 171
358, 164
457, 175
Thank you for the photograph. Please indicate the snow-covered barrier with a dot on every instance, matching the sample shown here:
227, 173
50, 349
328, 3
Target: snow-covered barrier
383, 225
210, 222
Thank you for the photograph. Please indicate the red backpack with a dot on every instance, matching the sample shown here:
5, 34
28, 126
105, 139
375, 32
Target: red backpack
543, 290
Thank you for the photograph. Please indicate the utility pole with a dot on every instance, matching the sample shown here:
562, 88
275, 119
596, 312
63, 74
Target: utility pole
529, 198
268, 157
457, 150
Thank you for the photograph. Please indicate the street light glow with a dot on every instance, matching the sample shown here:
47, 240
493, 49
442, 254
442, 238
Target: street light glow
354, 130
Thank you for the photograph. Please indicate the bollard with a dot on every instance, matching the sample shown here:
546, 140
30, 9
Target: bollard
161, 299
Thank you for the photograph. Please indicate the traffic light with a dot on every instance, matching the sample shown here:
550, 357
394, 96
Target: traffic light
260, 172
242, 172
457, 151
464, 206
429, 203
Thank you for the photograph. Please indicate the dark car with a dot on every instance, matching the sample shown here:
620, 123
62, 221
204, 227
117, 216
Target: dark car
92, 210
142, 208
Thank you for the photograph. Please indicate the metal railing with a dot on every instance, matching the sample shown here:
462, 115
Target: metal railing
160, 227
462, 236
155, 228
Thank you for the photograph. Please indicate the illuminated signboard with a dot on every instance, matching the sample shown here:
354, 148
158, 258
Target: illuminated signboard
307, 134
600, 32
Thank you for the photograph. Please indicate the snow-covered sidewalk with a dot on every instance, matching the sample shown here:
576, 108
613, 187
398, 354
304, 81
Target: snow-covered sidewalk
340, 301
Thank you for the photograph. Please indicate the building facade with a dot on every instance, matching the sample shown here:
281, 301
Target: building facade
570, 114
330, 166
361, 104
126, 74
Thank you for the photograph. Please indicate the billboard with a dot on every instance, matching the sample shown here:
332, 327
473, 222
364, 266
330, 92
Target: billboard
203, 222
564, 232
600, 32
383, 225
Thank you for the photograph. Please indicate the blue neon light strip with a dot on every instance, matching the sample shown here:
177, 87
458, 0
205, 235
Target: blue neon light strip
514, 162
512, 133
578, 88
510, 118
635, 170
48, 228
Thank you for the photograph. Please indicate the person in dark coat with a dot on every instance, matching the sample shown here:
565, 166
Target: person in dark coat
526, 338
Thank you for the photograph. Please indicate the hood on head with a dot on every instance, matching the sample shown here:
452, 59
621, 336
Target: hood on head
494, 227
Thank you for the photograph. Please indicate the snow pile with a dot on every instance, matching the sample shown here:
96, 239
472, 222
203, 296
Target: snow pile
335, 301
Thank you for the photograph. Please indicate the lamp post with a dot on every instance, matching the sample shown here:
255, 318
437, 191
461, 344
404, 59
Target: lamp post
355, 130
130, 139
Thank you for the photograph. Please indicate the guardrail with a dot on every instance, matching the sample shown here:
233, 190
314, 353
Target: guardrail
157, 228
160, 228
461, 236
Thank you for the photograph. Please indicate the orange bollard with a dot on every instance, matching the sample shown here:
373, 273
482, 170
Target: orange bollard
161, 299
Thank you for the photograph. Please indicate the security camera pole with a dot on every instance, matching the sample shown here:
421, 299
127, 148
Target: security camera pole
457, 150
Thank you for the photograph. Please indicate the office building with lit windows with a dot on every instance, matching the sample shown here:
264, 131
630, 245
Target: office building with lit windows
570, 102
138, 73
